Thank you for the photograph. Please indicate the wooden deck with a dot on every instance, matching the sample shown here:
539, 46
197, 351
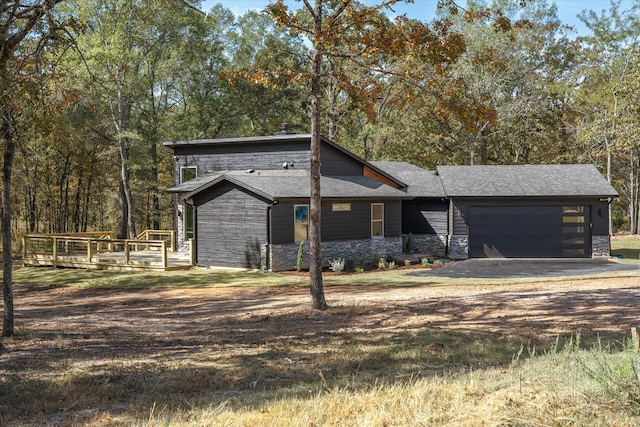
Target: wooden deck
100, 251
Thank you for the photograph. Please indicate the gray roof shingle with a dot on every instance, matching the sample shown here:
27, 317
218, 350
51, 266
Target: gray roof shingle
291, 184
421, 182
524, 181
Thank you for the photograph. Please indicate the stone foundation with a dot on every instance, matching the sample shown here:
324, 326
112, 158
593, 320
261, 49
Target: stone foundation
429, 245
600, 246
284, 257
459, 247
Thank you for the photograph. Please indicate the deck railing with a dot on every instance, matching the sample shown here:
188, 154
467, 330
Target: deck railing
97, 251
168, 236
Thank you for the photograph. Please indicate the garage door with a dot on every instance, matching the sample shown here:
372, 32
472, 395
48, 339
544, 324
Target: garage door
528, 231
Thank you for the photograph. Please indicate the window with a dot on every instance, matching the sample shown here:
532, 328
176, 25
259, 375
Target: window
574, 231
377, 219
573, 209
341, 207
188, 173
300, 223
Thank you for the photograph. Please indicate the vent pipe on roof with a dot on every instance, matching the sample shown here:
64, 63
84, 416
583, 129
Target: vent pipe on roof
284, 129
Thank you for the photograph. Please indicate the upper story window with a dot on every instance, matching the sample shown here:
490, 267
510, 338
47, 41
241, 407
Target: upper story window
188, 173
377, 219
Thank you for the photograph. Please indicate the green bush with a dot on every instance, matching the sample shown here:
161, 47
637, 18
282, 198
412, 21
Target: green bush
300, 258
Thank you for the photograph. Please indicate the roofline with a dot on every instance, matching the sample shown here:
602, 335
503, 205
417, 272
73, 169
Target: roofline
537, 196
237, 140
226, 177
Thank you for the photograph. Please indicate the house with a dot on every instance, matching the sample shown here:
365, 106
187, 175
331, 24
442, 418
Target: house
245, 201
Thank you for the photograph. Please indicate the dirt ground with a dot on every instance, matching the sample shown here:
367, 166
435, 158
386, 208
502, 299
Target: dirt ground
58, 327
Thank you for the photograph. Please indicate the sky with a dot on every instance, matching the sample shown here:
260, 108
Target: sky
424, 10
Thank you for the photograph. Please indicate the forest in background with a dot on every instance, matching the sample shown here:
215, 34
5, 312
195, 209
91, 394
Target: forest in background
92, 108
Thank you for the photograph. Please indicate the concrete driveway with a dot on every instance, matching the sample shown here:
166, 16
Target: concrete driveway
506, 268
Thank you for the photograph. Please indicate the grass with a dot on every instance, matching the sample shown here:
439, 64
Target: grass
570, 387
627, 247
359, 375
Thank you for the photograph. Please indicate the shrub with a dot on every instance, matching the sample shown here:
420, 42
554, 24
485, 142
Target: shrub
300, 258
392, 265
407, 262
408, 244
336, 265
425, 262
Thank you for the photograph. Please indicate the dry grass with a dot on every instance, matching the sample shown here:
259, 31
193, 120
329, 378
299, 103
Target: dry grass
239, 349
569, 387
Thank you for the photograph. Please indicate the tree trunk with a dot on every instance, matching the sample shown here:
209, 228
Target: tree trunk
315, 255
155, 199
7, 279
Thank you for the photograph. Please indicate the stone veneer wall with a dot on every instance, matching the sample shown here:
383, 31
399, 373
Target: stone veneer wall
283, 257
600, 246
430, 245
459, 247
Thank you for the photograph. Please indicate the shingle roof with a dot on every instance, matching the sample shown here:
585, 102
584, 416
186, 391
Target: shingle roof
524, 181
421, 182
291, 184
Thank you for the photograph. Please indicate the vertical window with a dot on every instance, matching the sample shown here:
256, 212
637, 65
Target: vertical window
377, 219
574, 231
300, 223
188, 173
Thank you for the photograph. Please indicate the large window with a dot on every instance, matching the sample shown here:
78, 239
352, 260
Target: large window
188, 173
300, 223
377, 219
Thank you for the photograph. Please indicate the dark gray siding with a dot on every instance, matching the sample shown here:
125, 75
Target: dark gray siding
231, 228
212, 158
600, 218
354, 224
239, 156
424, 216
334, 162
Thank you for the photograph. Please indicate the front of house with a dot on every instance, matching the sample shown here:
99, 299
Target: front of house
245, 201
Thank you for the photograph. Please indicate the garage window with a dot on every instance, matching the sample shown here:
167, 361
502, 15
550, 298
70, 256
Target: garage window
574, 239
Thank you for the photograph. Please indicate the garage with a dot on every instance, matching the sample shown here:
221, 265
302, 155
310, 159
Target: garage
528, 231
527, 211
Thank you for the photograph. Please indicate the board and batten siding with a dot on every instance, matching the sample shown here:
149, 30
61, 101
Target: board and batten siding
231, 227
424, 216
340, 225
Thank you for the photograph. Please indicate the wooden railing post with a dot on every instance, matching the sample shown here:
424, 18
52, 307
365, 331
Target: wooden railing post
90, 250
164, 254
55, 251
173, 241
24, 249
192, 253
